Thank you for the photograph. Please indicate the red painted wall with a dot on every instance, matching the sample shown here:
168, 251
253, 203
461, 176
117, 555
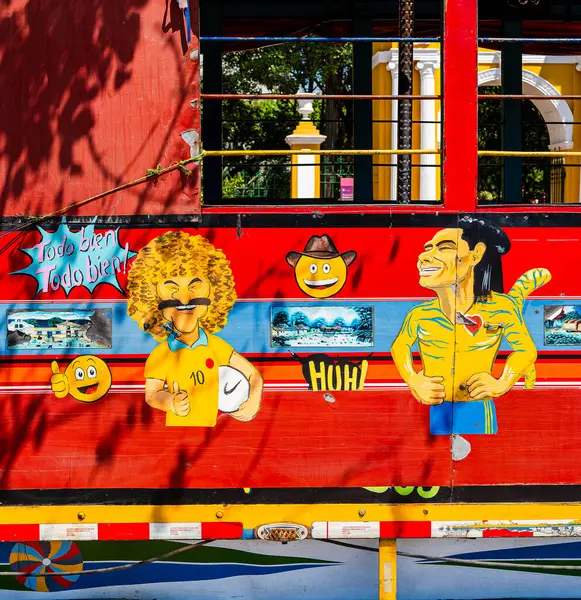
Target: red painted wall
385, 266
94, 93
365, 438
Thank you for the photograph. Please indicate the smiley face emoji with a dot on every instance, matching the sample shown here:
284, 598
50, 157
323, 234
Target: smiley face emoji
320, 271
86, 379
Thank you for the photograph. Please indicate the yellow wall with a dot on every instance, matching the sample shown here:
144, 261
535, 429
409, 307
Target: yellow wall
382, 131
564, 77
567, 81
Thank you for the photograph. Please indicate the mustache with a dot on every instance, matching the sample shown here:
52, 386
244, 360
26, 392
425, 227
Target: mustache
172, 303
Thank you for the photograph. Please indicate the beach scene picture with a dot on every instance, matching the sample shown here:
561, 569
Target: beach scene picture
563, 325
43, 329
321, 326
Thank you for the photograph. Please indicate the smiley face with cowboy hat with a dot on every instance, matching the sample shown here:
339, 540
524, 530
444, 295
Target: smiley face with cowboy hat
320, 270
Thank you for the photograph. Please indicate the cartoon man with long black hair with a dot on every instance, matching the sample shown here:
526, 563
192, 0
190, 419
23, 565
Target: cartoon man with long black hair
460, 331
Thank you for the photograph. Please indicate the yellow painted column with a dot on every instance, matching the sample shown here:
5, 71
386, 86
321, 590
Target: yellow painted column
305, 169
387, 569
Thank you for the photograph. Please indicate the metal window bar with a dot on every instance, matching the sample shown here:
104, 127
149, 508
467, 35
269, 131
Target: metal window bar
333, 169
544, 181
256, 181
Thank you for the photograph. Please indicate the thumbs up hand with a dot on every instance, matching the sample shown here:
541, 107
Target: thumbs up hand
180, 405
58, 382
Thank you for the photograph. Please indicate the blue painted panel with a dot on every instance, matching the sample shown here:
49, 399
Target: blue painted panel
248, 328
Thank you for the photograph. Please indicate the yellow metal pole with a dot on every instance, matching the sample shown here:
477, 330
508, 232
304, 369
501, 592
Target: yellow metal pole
540, 154
387, 569
316, 152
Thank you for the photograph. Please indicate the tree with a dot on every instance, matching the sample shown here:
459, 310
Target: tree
318, 323
299, 319
365, 326
284, 69
280, 320
339, 322
287, 69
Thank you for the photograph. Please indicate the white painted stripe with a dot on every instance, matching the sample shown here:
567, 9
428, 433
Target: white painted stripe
476, 529
175, 531
452, 532
65, 532
556, 531
282, 386
345, 530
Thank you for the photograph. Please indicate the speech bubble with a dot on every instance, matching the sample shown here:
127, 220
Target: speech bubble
66, 259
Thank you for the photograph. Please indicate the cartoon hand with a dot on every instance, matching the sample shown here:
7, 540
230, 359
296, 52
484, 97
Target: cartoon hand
484, 385
247, 411
427, 390
58, 382
180, 405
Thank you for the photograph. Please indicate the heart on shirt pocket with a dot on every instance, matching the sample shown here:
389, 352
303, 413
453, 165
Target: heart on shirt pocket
475, 323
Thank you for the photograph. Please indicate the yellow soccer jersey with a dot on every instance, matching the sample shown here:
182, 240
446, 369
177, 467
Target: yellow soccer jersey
456, 351
195, 369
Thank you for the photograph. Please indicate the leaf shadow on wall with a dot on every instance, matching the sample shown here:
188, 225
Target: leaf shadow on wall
57, 60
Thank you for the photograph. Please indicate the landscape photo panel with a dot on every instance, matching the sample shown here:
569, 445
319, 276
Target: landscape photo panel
322, 326
42, 329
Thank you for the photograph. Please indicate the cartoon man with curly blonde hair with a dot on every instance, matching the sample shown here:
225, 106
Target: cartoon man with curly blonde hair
181, 290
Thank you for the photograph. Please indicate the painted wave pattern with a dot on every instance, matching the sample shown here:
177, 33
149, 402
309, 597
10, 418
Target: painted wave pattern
529, 559
161, 572
178, 572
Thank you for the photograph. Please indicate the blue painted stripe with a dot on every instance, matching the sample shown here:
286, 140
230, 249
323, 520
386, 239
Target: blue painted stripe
162, 572
248, 328
561, 551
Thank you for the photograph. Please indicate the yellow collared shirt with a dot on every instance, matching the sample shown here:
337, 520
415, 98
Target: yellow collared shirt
195, 370
456, 351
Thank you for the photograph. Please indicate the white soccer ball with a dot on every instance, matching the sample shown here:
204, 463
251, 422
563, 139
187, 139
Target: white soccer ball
233, 390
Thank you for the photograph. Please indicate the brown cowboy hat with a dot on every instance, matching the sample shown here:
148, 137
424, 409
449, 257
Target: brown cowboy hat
320, 246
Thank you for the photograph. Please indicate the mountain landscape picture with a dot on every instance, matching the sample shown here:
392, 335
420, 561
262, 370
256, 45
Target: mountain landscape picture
321, 327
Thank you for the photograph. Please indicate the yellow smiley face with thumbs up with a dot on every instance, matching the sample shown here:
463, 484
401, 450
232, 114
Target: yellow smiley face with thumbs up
86, 379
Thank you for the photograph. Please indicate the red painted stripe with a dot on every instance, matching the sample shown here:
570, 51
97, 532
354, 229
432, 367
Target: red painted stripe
405, 529
222, 531
529, 208
460, 139
386, 208
375, 208
508, 533
20, 533
123, 531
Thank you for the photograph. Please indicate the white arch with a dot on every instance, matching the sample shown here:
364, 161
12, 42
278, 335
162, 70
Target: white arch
556, 113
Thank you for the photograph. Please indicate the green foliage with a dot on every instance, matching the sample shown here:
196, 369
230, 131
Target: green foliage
285, 69
535, 136
231, 185
264, 124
